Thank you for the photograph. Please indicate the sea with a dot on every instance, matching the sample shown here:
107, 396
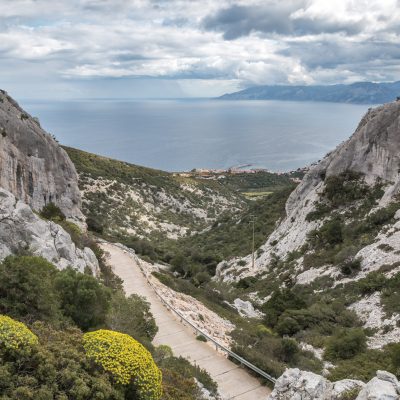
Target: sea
182, 134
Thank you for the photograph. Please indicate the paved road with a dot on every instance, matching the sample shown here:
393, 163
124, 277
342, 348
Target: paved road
233, 381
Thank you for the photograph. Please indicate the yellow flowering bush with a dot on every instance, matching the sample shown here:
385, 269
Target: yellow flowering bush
15, 336
126, 360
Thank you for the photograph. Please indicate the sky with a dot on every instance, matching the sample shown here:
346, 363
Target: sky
51, 49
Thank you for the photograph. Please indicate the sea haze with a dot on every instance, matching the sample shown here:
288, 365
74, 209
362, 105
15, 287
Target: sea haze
178, 135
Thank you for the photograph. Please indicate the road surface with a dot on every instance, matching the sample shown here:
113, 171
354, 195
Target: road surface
233, 381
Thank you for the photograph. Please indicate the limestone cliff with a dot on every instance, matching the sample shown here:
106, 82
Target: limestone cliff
21, 230
33, 166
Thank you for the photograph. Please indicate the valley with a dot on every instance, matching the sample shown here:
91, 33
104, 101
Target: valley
318, 304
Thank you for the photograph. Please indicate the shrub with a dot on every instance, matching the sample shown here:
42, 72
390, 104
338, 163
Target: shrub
56, 368
52, 212
246, 282
201, 338
131, 315
75, 232
95, 225
287, 326
350, 394
280, 301
15, 337
289, 350
27, 289
363, 366
346, 344
185, 371
351, 266
373, 282
344, 188
329, 234
126, 360
83, 298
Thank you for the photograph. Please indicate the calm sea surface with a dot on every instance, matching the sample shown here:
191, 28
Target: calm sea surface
177, 135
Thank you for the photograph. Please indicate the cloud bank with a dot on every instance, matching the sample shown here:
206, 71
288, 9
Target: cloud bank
192, 47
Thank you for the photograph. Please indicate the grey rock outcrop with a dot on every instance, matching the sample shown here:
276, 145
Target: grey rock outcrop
22, 230
246, 309
32, 165
295, 384
384, 386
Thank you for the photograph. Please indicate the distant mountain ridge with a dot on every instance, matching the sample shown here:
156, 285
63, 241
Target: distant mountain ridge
356, 93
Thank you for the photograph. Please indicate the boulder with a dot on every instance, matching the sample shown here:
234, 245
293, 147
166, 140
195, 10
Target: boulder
384, 386
295, 384
246, 309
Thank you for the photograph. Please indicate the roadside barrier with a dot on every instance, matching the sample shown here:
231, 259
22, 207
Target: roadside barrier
197, 330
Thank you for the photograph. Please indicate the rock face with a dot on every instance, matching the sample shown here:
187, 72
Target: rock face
373, 150
22, 230
295, 384
33, 166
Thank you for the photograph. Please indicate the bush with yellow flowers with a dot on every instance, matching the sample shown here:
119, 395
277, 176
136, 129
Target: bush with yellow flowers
15, 337
126, 360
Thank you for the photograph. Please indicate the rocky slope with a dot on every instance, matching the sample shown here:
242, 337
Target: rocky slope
343, 214
129, 200
32, 165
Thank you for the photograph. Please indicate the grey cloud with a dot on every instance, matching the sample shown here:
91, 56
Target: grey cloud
237, 21
333, 53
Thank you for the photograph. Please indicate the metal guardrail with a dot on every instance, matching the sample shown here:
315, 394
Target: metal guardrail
198, 330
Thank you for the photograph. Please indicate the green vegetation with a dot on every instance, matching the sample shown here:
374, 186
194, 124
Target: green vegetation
341, 236
128, 362
346, 344
132, 201
315, 314
131, 315
54, 305
197, 256
52, 212
365, 364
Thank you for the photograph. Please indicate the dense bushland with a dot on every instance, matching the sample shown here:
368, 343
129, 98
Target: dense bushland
57, 306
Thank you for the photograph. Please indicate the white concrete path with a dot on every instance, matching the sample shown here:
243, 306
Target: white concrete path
233, 381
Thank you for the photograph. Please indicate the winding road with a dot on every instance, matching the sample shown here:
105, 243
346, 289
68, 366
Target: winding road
233, 381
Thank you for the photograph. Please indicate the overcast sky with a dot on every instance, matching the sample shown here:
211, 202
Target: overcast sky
177, 48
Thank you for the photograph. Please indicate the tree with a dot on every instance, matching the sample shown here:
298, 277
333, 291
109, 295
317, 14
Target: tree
27, 289
345, 344
280, 301
131, 315
83, 298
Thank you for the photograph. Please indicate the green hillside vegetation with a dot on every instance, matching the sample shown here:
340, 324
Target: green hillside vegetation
122, 199
58, 306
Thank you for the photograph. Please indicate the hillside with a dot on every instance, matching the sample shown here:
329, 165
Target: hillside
357, 93
122, 199
338, 246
